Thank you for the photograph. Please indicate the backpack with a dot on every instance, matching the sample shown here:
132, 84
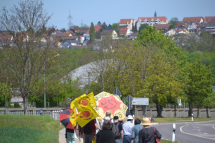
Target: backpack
115, 130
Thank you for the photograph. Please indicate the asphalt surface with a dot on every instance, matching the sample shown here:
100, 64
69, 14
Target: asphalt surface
201, 132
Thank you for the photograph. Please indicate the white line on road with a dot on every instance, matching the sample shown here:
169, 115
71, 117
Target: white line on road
192, 134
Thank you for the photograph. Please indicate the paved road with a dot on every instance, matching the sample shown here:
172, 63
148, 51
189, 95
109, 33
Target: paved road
190, 132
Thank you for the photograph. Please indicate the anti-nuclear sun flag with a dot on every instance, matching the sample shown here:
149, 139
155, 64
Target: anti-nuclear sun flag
86, 116
84, 105
83, 102
73, 117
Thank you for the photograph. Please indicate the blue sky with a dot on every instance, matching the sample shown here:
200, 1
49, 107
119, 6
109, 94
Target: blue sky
111, 11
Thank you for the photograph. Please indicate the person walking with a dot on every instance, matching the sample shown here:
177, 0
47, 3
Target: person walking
89, 131
127, 129
105, 135
147, 135
135, 131
117, 130
70, 136
108, 117
41, 111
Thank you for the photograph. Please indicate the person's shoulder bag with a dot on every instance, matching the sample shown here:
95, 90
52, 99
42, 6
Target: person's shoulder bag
156, 138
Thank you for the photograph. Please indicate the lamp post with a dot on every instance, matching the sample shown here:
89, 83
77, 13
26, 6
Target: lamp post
45, 79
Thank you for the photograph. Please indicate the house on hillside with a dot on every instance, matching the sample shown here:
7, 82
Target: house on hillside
62, 35
209, 19
133, 36
66, 44
171, 32
97, 28
110, 32
164, 27
191, 23
127, 22
151, 21
125, 31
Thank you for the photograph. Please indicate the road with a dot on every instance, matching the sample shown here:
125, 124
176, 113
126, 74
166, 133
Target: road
202, 132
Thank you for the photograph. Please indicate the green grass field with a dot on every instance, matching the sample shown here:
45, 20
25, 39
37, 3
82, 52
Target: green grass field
29, 129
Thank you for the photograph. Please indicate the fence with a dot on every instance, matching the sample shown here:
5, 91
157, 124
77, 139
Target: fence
54, 112
169, 112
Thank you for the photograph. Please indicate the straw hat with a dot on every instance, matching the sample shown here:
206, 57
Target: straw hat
146, 121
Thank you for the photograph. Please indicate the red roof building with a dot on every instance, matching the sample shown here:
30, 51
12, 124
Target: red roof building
191, 20
97, 27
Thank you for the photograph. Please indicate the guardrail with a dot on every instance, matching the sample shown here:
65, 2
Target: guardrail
54, 112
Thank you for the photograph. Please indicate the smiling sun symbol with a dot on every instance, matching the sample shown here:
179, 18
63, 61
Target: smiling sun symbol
109, 104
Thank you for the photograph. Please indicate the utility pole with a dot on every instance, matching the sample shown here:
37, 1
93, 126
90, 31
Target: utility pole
70, 19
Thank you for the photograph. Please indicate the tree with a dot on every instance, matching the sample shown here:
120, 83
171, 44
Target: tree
104, 26
209, 102
155, 14
63, 30
26, 58
134, 28
199, 85
142, 27
206, 42
44, 31
99, 23
173, 21
109, 27
5, 93
92, 32
171, 26
115, 27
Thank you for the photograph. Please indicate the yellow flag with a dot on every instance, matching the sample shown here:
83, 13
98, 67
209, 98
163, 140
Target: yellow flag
84, 101
73, 117
86, 116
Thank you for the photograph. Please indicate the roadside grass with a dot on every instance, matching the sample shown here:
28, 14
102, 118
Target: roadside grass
29, 129
175, 120
166, 141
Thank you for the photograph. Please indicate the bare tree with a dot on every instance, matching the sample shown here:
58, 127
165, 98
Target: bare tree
28, 53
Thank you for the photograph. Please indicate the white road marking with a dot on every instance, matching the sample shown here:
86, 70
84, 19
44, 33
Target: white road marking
205, 133
192, 134
213, 127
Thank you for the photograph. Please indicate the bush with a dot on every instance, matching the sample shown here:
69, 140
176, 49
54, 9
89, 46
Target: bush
16, 105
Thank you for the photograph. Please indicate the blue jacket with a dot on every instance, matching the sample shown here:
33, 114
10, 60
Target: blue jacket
135, 132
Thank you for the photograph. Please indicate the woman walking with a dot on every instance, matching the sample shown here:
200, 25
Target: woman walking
147, 135
105, 135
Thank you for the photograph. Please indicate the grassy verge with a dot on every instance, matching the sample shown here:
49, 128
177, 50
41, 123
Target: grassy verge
29, 129
173, 120
166, 141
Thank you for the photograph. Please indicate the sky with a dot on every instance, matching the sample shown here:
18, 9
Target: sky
111, 11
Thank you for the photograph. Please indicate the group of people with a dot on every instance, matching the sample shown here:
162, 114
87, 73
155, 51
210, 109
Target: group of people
115, 131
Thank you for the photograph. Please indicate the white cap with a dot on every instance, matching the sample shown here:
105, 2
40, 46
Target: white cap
129, 117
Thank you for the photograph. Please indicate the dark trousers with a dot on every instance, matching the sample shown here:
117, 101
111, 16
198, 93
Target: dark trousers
127, 139
88, 138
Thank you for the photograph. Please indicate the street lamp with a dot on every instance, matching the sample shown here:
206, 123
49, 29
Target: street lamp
45, 79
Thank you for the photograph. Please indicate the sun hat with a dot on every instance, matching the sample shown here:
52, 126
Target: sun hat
130, 117
146, 121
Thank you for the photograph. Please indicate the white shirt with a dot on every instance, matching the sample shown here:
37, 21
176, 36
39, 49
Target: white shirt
127, 128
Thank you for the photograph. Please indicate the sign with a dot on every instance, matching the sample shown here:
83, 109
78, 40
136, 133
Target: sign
129, 98
179, 104
140, 101
117, 92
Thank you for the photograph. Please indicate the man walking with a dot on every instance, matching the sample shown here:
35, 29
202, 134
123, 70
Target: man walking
107, 118
127, 129
117, 130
